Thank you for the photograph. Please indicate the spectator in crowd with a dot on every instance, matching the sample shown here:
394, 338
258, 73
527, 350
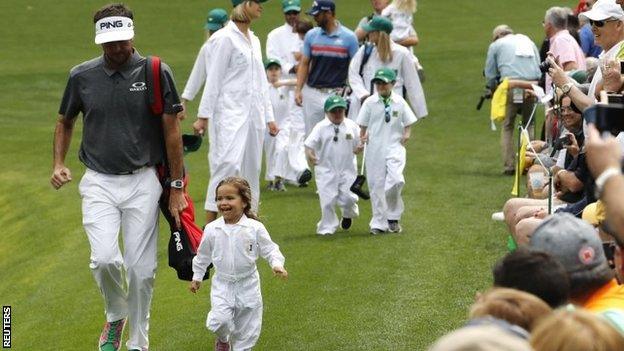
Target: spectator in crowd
327, 51
604, 158
383, 52
562, 45
236, 98
577, 246
607, 23
217, 18
535, 272
512, 56
122, 142
495, 336
514, 306
590, 49
575, 330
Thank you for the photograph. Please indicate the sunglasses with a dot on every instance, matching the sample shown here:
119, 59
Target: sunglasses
387, 113
336, 131
600, 24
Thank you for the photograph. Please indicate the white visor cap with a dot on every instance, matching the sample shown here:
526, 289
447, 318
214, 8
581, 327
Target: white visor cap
115, 28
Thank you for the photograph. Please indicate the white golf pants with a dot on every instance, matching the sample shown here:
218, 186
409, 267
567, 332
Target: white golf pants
236, 310
130, 203
333, 190
384, 173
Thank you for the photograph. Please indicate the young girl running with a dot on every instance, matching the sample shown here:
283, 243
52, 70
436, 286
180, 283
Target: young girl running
232, 243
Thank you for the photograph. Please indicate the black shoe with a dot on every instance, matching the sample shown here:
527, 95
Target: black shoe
509, 172
394, 226
304, 178
376, 231
345, 223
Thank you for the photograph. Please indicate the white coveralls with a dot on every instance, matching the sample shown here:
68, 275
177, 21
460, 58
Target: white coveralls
281, 44
276, 148
407, 76
236, 100
198, 73
335, 171
385, 156
130, 203
235, 298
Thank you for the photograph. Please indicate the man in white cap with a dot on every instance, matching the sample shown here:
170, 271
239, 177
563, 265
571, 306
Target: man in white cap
122, 142
606, 18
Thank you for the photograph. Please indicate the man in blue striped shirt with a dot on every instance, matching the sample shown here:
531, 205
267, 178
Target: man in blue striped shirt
327, 52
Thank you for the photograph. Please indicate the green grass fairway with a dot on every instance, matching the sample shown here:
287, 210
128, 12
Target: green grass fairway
351, 291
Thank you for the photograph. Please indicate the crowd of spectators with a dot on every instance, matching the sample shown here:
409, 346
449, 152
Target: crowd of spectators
559, 287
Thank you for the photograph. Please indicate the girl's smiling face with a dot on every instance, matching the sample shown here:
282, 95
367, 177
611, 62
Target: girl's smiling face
230, 203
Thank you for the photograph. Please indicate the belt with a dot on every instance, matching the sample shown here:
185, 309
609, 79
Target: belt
235, 277
135, 171
337, 90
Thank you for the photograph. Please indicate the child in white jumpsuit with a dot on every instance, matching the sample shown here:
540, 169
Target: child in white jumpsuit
385, 119
232, 243
331, 147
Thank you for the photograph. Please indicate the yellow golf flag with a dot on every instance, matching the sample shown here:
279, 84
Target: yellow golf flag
499, 102
524, 141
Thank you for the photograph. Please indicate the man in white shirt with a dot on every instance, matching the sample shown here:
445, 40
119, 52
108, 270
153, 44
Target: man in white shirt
283, 43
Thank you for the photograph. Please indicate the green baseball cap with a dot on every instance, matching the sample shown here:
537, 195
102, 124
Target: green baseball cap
333, 102
270, 62
291, 5
238, 2
378, 24
216, 19
385, 75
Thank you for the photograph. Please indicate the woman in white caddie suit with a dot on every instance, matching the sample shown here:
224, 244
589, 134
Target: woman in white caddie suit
236, 100
385, 53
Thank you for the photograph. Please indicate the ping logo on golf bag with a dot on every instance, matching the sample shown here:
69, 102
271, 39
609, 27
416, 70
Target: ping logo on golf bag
114, 24
178, 241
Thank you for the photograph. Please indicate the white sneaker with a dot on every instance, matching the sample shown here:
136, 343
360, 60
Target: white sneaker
498, 216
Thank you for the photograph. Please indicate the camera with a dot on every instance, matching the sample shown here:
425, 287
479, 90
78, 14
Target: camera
562, 142
544, 66
607, 117
487, 94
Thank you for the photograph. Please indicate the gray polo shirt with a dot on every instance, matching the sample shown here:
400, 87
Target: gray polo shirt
120, 134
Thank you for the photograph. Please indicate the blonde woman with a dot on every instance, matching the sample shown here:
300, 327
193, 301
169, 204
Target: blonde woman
236, 100
401, 13
575, 330
385, 53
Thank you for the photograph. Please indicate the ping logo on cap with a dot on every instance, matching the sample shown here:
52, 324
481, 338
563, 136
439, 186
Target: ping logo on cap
114, 28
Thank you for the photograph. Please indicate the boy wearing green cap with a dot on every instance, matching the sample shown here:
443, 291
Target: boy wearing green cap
385, 119
331, 147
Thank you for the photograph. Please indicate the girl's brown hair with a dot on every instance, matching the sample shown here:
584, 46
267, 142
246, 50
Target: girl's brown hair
244, 191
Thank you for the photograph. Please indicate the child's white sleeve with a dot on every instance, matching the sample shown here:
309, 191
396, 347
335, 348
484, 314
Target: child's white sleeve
364, 115
409, 117
268, 249
203, 259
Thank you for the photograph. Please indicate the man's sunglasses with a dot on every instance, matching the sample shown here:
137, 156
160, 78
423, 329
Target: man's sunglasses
601, 24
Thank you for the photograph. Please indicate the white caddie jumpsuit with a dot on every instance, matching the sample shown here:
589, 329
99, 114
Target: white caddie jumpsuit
236, 100
407, 77
276, 148
282, 44
335, 171
385, 156
235, 298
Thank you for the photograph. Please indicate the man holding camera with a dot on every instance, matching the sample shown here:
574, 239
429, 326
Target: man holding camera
607, 21
512, 56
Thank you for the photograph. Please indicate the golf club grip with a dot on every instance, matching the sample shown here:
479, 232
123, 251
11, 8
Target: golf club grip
363, 160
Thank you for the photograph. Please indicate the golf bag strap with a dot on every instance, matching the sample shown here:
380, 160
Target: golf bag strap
368, 50
154, 86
